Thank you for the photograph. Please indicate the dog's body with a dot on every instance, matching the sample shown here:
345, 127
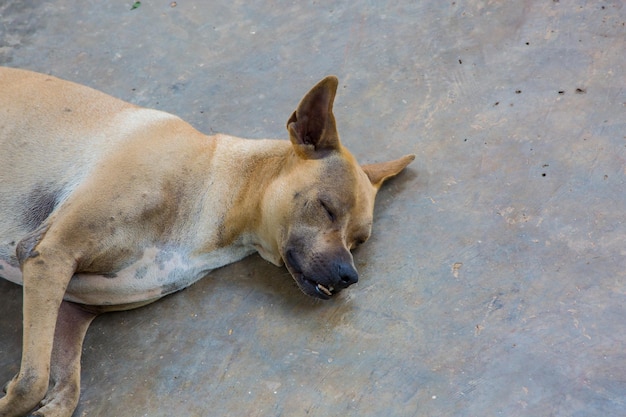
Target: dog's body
107, 206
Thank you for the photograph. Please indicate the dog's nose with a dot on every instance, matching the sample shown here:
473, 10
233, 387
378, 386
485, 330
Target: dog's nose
346, 273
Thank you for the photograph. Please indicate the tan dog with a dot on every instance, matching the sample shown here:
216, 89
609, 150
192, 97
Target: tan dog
107, 206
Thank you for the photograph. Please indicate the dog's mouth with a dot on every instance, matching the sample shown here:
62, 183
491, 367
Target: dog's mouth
313, 288
307, 285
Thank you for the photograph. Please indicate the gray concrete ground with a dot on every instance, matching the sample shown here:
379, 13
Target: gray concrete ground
494, 283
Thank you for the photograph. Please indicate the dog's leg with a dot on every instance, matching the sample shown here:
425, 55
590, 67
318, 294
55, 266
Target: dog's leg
46, 272
62, 397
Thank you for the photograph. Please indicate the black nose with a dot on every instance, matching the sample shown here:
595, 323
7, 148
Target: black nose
346, 274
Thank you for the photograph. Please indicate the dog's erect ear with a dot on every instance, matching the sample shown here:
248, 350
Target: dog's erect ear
378, 173
311, 127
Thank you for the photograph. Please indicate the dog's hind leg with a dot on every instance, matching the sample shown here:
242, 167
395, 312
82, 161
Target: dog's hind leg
46, 270
64, 391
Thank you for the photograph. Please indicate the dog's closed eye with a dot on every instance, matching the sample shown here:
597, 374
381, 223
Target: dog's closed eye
329, 211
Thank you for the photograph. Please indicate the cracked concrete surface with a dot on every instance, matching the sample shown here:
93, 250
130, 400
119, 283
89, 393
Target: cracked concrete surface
494, 283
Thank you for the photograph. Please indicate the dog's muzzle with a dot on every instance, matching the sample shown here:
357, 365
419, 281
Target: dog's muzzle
324, 278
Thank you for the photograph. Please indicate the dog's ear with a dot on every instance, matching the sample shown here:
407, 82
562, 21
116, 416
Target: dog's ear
312, 127
378, 173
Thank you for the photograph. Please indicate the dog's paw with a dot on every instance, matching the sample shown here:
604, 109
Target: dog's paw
22, 396
60, 401
42, 412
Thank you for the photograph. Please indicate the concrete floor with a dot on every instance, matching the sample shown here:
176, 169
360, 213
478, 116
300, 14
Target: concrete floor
494, 283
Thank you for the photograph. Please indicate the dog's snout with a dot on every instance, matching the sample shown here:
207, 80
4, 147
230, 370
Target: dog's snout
347, 274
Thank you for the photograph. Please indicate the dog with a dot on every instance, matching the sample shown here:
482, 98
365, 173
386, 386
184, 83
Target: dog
106, 206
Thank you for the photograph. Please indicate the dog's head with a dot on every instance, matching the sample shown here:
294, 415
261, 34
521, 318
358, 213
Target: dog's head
322, 206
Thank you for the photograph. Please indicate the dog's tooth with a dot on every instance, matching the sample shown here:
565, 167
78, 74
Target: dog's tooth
324, 290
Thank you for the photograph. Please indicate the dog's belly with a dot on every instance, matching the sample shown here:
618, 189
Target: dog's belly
158, 273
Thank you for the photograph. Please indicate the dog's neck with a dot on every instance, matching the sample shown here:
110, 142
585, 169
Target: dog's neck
239, 160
